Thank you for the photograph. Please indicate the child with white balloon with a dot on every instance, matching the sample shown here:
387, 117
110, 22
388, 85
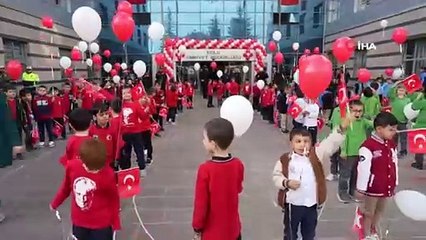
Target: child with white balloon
299, 177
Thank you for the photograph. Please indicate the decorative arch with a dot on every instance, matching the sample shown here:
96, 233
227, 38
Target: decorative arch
254, 50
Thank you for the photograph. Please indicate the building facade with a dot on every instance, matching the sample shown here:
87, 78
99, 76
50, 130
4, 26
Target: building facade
23, 37
360, 20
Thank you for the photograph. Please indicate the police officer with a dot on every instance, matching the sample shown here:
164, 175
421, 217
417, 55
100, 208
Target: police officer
30, 79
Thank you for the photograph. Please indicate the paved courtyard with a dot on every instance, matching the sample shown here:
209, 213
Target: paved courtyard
166, 201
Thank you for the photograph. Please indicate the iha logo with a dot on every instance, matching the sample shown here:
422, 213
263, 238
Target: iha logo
366, 46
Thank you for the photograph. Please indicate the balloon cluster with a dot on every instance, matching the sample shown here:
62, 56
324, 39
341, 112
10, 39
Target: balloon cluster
122, 23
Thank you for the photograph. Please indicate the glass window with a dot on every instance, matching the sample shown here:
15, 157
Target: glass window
156, 17
318, 15
333, 10
189, 18
302, 24
139, 37
234, 6
212, 6
14, 50
189, 6
303, 5
206, 18
184, 30
169, 4
154, 6
360, 5
288, 31
360, 61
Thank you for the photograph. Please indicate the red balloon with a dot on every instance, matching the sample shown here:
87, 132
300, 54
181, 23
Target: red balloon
363, 75
125, 7
389, 72
315, 75
272, 46
107, 53
399, 35
113, 72
123, 26
302, 59
279, 58
97, 59
14, 69
213, 65
47, 22
169, 42
317, 50
117, 66
68, 72
343, 48
160, 59
75, 55
307, 52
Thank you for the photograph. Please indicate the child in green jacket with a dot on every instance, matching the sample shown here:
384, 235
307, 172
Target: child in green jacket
399, 99
419, 104
371, 103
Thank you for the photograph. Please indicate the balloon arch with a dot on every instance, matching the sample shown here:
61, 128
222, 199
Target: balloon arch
254, 50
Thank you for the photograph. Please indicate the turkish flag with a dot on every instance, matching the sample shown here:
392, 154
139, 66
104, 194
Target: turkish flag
342, 97
289, 2
291, 99
129, 182
155, 128
412, 83
417, 141
295, 110
320, 123
163, 112
385, 102
387, 109
358, 226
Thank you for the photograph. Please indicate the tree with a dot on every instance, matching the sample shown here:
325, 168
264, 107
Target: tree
169, 24
241, 26
214, 30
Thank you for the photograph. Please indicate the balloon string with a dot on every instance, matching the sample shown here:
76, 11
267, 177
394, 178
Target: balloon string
125, 52
135, 207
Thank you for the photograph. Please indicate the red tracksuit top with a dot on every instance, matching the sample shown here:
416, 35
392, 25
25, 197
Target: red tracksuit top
132, 114
108, 137
57, 108
95, 202
172, 98
246, 89
72, 150
219, 183
234, 88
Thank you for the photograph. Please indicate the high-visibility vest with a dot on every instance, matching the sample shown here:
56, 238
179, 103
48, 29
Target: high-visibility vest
30, 77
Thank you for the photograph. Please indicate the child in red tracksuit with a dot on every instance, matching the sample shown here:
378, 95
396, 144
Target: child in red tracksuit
42, 107
220, 91
246, 89
189, 93
234, 88
58, 111
145, 128
210, 90
256, 97
218, 185
159, 101
102, 130
181, 95
172, 101
87, 99
79, 121
95, 202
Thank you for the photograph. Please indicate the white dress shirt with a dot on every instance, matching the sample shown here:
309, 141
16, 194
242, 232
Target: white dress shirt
302, 104
310, 120
300, 169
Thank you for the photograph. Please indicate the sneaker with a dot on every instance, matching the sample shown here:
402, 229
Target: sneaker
41, 144
157, 135
51, 144
143, 173
173, 123
19, 156
331, 177
416, 166
344, 198
149, 161
2, 217
402, 154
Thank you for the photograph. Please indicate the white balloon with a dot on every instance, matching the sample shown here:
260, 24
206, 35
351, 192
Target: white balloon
411, 204
82, 46
397, 73
219, 73
116, 79
124, 66
245, 69
384, 23
94, 48
65, 62
156, 31
295, 46
409, 113
89, 62
296, 76
277, 36
197, 66
139, 67
107, 67
86, 23
260, 84
182, 48
239, 111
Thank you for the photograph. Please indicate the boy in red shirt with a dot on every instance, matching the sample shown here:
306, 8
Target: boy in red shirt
210, 90
246, 89
145, 129
42, 107
189, 93
234, 88
79, 121
58, 110
159, 101
220, 91
95, 202
101, 129
172, 102
219, 182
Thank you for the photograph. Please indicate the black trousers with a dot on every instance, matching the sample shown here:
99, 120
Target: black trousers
334, 165
147, 142
419, 159
82, 233
256, 103
180, 106
305, 217
297, 124
132, 140
209, 101
189, 99
158, 118
28, 138
347, 175
269, 113
314, 132
64, 129
45, 126
172, 114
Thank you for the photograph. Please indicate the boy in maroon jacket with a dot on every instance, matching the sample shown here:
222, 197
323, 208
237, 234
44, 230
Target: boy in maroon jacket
42, 106
95, 202
377, 172
219, 183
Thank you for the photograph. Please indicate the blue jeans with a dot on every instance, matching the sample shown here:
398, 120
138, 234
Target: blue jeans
45, 125
305, 217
